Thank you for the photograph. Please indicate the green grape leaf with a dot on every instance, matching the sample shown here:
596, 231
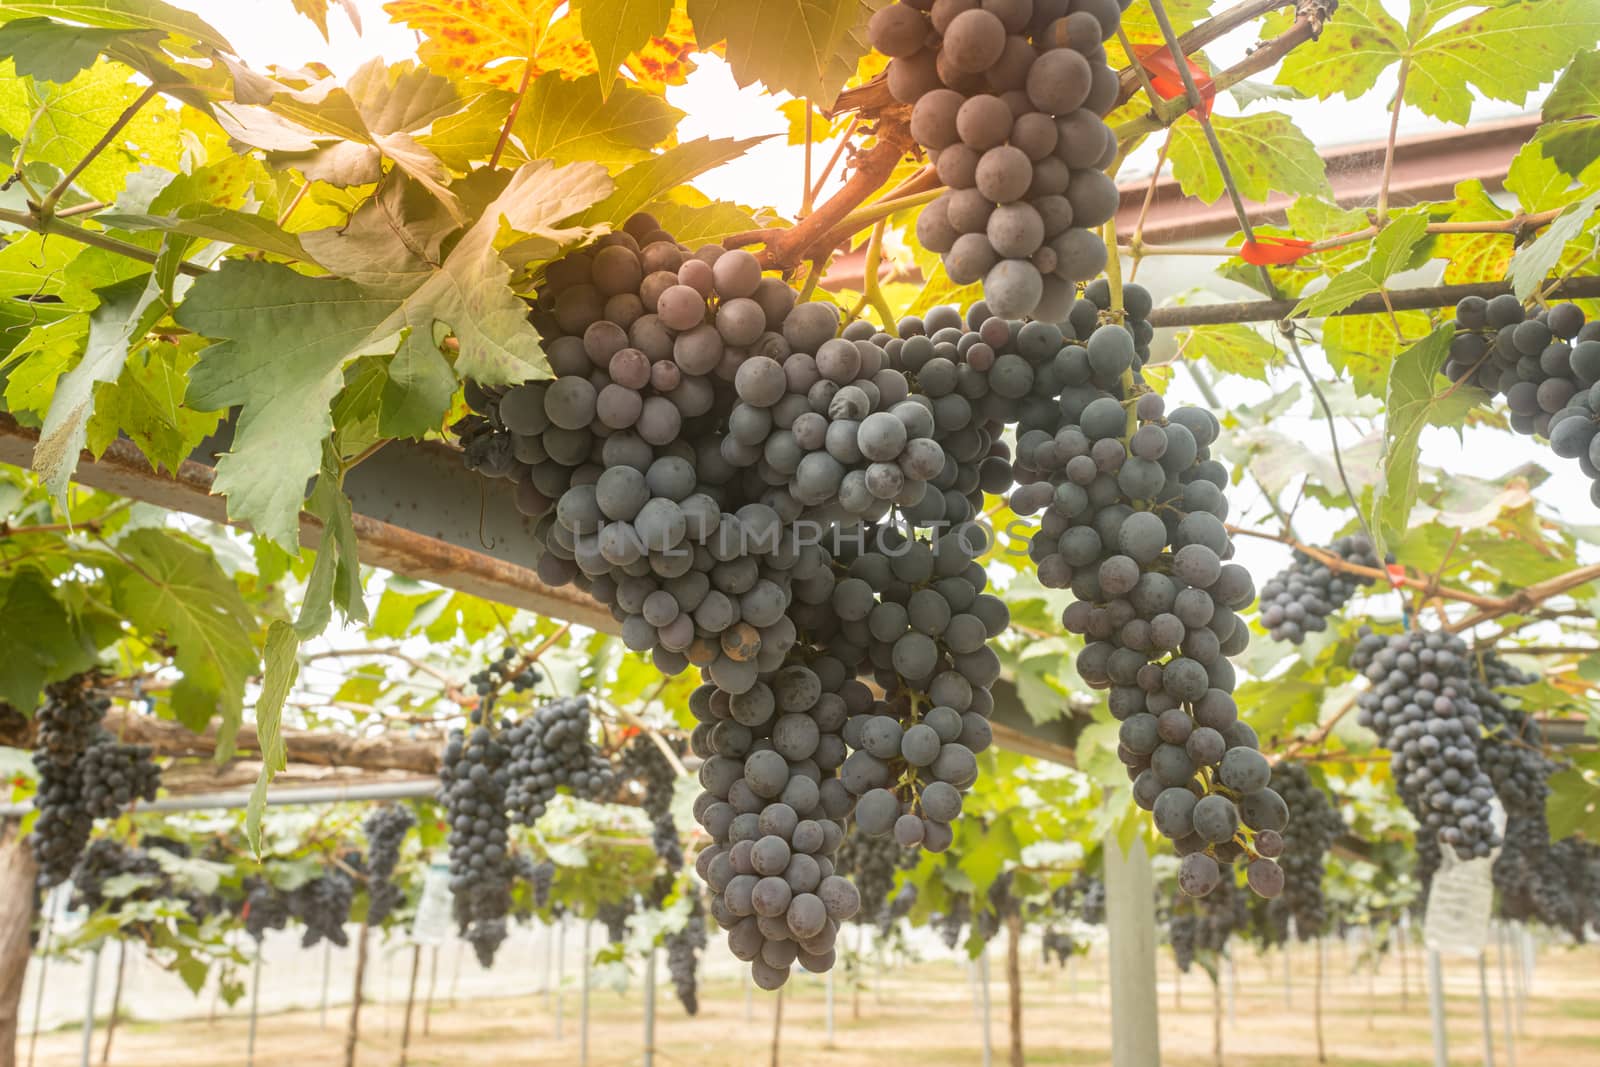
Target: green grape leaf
1570, 135
66, 121
617, 28
317, 12
284, 340
1401, 245
1364, 347
694, 220
1573, 805
1503, 52
1266, 153
647, 181
125, 15
146, 404
1531, 264
335, 578
127, 311
1232, 348
177, 590
1357, 45
567, 121
37, 631
1410, 406
54, 52
209, 222
1445, 68
801, 47
282, 667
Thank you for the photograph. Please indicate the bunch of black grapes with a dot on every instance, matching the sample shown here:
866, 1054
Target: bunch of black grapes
386, 829
642, 762
1547, 365
84, 774
614, 914
1421, 705
1057, 944
474, 776
322, 906
1298, 600
684, 947
266, 907
494, 679
871, 863
1196, 926
107, 858
1008, 100
1305, 843
1133, 510
549, 748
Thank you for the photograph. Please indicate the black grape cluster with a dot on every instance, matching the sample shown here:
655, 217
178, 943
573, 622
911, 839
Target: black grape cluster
68, 722
386, 830
1196, 926
683, 955
1058, 944
1132, 524
1007, 97
1090, 892
1299, 599
954, 918
107, 858
549, 748
1421, 707
871, 862
541, 878
642, 762
1305, 843
474, 775
266, 907
322, 906
1565, 887
490, 682
613, 915
1547, 365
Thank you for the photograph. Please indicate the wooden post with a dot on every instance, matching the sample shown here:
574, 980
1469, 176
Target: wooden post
855, 995
433, 981
1131, 924
1014, 984
255, 1004
1401, 938
88, 1011
777, 1026
1501, 934
353, 1031
983, 991
1216, 1019
17, 876
583, 1003
1316, 994
411, 999
827, 987
1441, 1045
650, 1009
561, 971
8, 1050
1483, 1009
116, 1002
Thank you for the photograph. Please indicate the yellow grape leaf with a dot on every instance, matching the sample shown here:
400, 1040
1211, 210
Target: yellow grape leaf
1475, 257
494, 41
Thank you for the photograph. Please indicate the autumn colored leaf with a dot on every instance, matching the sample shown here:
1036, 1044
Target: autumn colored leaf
498, 41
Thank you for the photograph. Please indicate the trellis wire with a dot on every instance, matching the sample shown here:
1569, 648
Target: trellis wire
1286, 328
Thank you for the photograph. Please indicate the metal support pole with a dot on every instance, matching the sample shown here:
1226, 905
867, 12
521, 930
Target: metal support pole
1233, 992
1131, 924
411, 1002
1501, 936
327, 967
1441, 1045
749, 1008
1405, 975
561, 970
1483, 1009
1288, 981
53, 908
583, 1003
255, 1004
650, 1010
433, 981
983, 987
88, 1010
828, 989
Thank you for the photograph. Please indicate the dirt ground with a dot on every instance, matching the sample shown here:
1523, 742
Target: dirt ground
925, 1013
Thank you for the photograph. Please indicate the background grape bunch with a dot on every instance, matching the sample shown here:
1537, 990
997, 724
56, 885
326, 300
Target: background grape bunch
1316, 826
1546, 365
1007, 98
1298, 599
386, 829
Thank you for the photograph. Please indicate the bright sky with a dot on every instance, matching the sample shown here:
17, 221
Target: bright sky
268, 31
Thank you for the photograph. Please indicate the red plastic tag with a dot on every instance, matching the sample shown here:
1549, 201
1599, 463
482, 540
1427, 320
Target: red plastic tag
1397, 573
1165, 78
1274, 251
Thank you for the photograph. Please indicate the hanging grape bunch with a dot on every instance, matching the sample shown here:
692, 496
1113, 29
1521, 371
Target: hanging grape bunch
1422, 709
473, 779
322, 906
1007, 98
1547, 365
1132, 524
266, 907
386, 829
1299, 599
116, 775
1317, 825
549, 748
